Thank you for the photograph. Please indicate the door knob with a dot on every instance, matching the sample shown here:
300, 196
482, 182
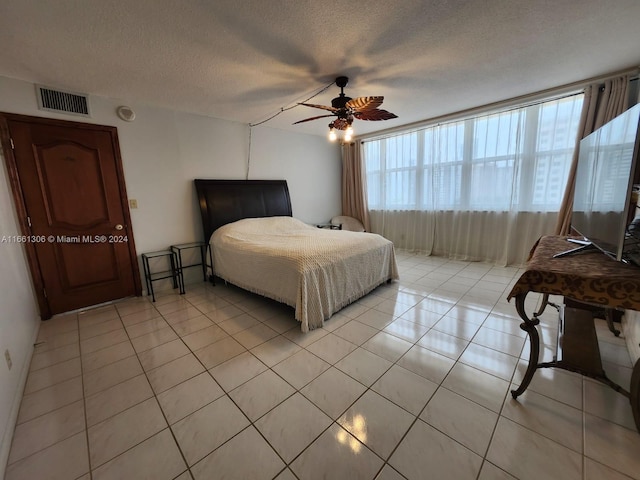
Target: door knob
119, 227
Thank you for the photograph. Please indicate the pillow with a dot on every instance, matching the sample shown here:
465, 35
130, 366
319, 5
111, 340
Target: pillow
348, 223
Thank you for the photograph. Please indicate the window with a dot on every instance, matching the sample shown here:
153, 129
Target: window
513, 160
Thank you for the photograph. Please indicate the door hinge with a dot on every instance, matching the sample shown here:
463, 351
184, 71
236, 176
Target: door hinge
44, 291
29, 221
13, 147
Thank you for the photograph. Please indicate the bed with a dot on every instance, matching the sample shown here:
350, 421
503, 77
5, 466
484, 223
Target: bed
257, 245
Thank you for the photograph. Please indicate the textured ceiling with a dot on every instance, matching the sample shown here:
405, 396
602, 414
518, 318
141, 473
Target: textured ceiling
244, 60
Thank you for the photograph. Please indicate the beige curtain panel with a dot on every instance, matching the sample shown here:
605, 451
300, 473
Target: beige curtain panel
602, 103
354, 188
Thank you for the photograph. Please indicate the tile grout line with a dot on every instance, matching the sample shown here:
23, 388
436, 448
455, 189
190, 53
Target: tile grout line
155, 396
84, 401
252, 423
91, 469
367, 388
226, 394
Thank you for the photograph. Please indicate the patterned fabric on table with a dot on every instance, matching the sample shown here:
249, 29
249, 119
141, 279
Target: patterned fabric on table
590, 277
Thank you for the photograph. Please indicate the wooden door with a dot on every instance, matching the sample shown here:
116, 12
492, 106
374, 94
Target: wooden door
69, 181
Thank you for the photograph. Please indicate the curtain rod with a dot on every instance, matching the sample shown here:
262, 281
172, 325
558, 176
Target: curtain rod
557, 92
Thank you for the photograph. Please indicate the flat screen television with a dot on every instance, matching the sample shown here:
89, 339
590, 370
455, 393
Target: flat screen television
607, 170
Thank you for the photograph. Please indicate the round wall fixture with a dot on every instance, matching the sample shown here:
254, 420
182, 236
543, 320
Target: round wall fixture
126, 113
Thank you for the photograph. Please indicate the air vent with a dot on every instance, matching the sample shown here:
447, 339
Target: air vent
59, 101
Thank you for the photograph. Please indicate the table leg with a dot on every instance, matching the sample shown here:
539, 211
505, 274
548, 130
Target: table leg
608, 315
529, 326
147, 277
543, 306
635, 394
203, 258
176, 264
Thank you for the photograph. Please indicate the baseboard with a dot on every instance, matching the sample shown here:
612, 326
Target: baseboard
5, 447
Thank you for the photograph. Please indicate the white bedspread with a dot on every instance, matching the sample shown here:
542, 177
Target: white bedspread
317, 271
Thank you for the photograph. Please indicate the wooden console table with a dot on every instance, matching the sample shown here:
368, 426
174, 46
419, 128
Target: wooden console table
589, 277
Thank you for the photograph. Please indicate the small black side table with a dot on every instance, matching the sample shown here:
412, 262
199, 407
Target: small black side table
203, 247
174, 271
330, 226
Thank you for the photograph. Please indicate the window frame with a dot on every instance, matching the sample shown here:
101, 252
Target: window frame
526, 159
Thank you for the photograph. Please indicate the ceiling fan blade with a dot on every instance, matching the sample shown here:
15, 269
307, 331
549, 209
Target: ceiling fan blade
323, 107
312, 118
375, 114
361, 104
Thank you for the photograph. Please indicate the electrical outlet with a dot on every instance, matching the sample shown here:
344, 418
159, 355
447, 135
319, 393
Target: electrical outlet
7, 357
133, 203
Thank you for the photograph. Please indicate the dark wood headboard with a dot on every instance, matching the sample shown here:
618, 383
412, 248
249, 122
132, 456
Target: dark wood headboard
225, 201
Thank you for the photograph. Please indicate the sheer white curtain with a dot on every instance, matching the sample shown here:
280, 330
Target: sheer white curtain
483, 188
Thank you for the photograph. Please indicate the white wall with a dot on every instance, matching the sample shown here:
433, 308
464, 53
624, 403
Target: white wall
318, 197
19, 319
162, 152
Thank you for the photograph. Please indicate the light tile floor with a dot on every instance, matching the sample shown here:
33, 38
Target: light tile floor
412, 381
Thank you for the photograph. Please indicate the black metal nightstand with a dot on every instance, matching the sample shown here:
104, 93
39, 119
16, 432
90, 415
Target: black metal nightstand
329, 226
174, 272
203, 248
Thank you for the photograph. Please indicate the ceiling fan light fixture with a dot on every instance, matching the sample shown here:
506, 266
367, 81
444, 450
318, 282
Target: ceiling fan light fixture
332, 133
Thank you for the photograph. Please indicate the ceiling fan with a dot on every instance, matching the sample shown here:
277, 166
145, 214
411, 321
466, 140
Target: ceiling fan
347, 108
